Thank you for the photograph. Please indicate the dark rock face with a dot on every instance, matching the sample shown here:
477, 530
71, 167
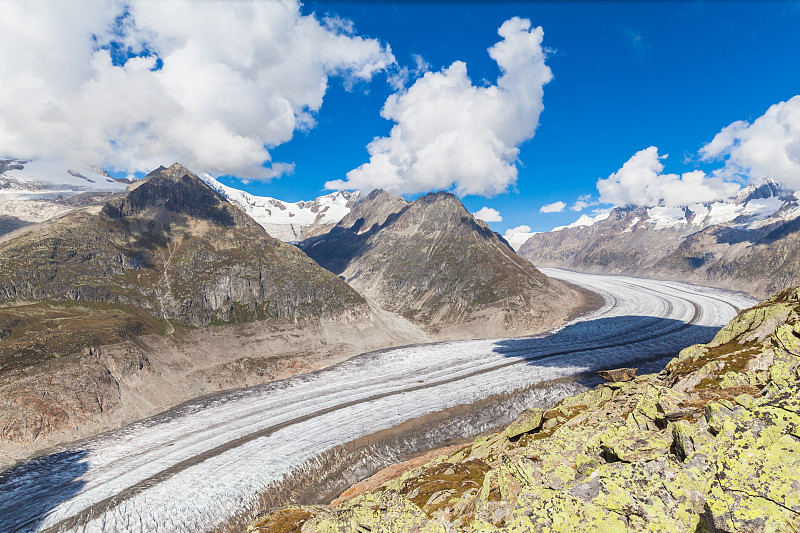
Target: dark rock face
431, 261
10, 164
179, 192
9, 224
768, 189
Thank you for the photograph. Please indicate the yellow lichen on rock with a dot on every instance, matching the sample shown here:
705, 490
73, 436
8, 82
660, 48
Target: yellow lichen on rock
712, 443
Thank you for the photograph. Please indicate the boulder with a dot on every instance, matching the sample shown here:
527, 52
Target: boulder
527, 421
618, 374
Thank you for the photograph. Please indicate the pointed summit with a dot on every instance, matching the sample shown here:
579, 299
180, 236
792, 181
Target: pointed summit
767, 189
372, 211
432, 262
174, 190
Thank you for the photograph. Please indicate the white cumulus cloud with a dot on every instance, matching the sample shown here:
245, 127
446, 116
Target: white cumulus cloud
583, 202
555, 207
487, 214
640, 182
216, 84
451, 134
769, 147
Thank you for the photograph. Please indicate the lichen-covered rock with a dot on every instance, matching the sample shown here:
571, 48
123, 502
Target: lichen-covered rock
528, 420
618, 374
710, 444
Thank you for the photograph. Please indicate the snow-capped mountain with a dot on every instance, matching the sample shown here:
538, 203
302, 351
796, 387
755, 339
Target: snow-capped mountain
749, 242
288, 221
36, 191
31, 192
42, 175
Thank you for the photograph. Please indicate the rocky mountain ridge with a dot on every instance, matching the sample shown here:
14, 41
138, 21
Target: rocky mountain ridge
744, 243
25, 199
434, 263
173, 247
710, 444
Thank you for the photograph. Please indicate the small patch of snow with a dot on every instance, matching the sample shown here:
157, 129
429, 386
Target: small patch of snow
667, 217
584, 220
722, 212
631, 225
762, 207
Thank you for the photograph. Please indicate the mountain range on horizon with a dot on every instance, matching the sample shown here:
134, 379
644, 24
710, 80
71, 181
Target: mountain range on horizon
720, 243
748, 242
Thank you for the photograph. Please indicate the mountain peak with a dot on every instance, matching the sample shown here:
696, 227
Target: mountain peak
373, 210
175, 190
441, 198
767, 189
380, 196
432, 262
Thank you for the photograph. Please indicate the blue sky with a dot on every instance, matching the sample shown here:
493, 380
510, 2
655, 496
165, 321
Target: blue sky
626, 76
290, 96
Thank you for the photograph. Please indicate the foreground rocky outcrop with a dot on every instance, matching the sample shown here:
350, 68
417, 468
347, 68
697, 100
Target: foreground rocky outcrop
711, 443
435, 264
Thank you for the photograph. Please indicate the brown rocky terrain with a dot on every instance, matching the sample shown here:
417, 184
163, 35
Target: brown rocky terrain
709, 444
119, 310
433, 263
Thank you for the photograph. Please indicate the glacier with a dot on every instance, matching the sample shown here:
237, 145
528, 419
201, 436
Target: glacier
197, 465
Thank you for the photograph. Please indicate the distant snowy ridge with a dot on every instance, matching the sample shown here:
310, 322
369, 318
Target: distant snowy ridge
31, 192
41, 176
751, 208
750, 241
584, 220
289, 222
